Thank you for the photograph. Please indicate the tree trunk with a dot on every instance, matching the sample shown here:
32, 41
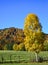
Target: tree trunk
36, 55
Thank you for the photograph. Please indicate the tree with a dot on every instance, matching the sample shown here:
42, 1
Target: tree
33, 32
5, 47
46, 45
15, 47
21, 47
8, 46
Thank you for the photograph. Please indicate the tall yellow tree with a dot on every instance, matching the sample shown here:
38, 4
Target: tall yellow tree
33, 32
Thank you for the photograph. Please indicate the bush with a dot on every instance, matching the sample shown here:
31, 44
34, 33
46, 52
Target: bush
40, 59
46, 45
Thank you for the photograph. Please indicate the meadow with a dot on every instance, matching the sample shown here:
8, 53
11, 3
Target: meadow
21, 57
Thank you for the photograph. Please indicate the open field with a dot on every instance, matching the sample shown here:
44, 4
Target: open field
21, 56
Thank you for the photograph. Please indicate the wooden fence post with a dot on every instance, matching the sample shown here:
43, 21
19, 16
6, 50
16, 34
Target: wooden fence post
10, 58
2, 59
19, 58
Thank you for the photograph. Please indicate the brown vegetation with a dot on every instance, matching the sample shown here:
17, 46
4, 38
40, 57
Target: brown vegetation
11, 36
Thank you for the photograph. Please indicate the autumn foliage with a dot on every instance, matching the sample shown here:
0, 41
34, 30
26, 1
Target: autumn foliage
33, 32
10, 37
30, 38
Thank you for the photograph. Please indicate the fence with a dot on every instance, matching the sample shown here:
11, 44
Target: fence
18, 59
15, 58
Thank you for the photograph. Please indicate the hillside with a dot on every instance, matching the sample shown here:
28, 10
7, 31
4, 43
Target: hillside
12, 36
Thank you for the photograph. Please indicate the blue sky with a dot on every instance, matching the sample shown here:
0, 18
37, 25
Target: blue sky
13, 12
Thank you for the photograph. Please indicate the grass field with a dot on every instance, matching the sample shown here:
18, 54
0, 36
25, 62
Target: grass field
16, 55
21, 56
26, 64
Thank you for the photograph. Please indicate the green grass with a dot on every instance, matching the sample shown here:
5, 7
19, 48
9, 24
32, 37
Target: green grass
21, 56
16, 55
26, 64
